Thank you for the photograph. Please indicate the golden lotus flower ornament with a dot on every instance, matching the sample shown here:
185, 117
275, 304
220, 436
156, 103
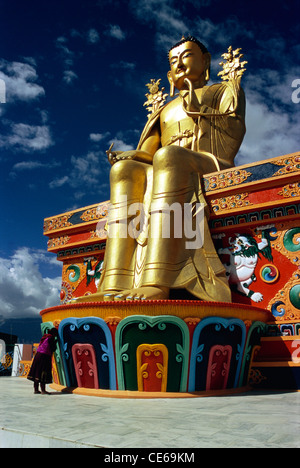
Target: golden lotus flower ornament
233, 68
155, 97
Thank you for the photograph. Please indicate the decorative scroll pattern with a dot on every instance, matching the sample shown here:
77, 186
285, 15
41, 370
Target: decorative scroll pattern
255, 332
58, 222
256, 376
73, 218
65, 292
169, 332
218, 367
95, 213
24, 368
290, 190
152, 367
7, 360
291, 164
84, 358
228, 203
225, 179
285, 305
57, 242
207, 339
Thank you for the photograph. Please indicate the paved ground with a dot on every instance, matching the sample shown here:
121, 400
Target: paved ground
66, 420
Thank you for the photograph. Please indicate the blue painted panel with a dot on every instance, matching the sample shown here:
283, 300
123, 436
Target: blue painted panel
95, 331
210, 332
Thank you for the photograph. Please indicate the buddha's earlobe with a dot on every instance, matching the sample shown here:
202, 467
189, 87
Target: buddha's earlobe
172, 87
207, 70
206, 75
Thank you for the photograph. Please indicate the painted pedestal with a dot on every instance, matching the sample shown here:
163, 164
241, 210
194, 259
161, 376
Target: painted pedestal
156, 348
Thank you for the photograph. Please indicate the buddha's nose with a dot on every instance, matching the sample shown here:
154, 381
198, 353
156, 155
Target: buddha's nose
180, 65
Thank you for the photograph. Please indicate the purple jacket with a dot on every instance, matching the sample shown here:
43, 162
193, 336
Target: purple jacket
45, 345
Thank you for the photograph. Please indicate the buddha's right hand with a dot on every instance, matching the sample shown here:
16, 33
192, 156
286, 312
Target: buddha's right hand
115, 156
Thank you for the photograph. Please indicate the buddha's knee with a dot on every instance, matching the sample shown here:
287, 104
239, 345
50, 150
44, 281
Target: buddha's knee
168, 157
126, 170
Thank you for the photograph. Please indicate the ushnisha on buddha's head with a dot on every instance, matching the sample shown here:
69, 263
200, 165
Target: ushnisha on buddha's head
190, 59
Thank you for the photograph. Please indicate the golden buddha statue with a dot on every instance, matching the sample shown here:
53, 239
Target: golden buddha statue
196, 133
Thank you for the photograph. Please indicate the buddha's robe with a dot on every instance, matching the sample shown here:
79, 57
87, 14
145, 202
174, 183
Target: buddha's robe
191, 147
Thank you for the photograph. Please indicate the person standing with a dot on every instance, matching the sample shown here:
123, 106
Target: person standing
41, 368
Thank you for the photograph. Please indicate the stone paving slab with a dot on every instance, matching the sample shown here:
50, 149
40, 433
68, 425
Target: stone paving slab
250, 420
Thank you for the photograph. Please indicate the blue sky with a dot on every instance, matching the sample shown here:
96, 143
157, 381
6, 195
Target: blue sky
75, 75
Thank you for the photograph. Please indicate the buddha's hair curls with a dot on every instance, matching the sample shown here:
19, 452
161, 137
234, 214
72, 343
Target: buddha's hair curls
190, 39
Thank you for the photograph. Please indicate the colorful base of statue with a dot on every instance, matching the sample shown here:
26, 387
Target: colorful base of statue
156, 346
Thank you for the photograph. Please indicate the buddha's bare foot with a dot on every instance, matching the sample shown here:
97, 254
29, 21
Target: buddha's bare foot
110, 295
96, 297
145, 293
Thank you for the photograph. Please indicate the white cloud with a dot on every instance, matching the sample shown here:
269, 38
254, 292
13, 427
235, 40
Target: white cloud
66, 54
116, 32
92, 36
124, 65
27, 165
272, 119
226, 32
90, 172
31, 165
75, 33
25, 138
24, 292
270, 132
21, 81
61, 40
21, 85
67, 57
85, 169
164, 16
59, 182
273, 86
96, 137
168, 18
120, 145
69, 76
86, 174
169, 23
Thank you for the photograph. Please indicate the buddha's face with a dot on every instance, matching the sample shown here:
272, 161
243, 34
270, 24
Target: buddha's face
187, 61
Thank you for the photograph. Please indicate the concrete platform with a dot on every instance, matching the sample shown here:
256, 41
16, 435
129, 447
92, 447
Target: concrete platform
250, 420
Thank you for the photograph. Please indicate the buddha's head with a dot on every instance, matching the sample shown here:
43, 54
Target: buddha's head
190, 59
